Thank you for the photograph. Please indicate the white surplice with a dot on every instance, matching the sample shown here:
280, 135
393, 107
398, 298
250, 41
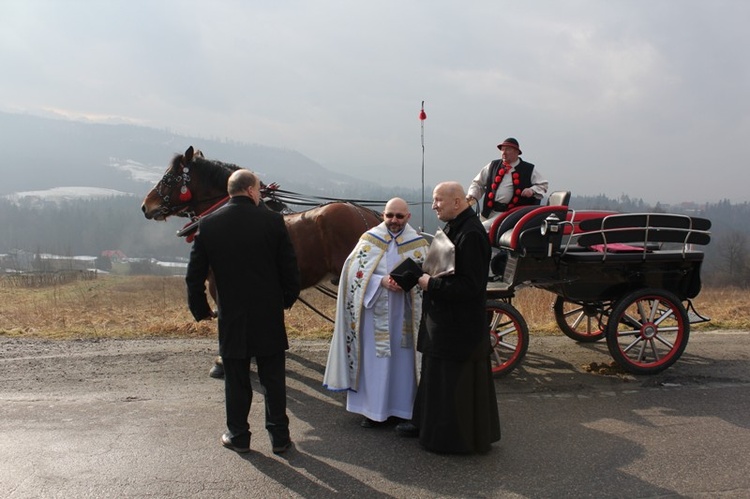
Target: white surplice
387, 383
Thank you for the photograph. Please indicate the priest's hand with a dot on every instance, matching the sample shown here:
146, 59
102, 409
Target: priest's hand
389, 284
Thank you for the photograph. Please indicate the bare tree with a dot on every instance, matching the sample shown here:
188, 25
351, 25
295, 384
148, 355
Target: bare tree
733, 260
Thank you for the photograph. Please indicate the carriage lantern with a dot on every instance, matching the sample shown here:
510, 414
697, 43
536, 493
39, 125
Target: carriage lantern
550, 225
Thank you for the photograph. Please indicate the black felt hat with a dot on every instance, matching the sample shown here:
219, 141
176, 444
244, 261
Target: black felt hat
510, 141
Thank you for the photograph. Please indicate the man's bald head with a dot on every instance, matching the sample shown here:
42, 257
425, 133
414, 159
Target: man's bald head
244, 183
396, 215
448, 200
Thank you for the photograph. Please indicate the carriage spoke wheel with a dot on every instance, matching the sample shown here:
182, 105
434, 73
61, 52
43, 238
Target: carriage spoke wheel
648, 331
509, 336
581, 323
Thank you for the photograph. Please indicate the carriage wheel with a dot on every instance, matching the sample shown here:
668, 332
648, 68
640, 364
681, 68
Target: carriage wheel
509, 336
648, 331
579, 322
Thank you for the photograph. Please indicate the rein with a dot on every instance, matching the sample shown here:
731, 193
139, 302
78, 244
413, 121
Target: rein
191, 226
214, 206
331, 293
303, 200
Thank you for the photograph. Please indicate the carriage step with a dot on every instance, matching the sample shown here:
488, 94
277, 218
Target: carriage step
495, 286
693, 316
696, 318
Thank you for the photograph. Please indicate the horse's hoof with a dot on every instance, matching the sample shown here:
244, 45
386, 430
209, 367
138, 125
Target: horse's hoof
217, 371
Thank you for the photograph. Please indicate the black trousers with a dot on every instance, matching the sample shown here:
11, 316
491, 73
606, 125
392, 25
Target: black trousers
239, 395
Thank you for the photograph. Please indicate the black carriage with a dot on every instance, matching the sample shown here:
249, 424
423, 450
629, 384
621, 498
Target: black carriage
625, 277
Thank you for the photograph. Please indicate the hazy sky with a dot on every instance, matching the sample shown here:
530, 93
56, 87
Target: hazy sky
648, 98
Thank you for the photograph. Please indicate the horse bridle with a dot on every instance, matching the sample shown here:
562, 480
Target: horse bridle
168, 181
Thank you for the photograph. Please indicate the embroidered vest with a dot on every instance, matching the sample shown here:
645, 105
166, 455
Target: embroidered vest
524, 170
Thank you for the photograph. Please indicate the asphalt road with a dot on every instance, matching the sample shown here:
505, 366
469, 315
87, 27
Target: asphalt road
141, 418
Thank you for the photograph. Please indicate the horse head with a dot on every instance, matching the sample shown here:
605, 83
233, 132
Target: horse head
191, 185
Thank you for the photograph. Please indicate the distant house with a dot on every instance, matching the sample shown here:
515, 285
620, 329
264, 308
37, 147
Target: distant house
114, 254
113, 261
49, 262
17, 261
147, 266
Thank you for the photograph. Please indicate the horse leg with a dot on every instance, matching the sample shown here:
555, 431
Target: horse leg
217, 370
211, 282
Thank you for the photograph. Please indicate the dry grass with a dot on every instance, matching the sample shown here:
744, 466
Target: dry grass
138, 307
128, 307
728, 308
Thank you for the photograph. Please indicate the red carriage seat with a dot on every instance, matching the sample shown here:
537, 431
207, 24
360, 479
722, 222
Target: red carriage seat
506, 221
638, 237
576, 218
642, 232
526, 235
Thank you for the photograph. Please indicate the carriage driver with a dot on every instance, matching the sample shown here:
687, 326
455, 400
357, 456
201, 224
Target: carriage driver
506, 183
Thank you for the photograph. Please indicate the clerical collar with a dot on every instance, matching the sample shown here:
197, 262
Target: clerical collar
394, 236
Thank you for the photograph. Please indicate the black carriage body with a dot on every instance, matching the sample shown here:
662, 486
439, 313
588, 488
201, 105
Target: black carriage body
584, 277
582, 273
619, 277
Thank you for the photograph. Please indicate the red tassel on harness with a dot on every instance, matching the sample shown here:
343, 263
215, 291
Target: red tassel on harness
185, 195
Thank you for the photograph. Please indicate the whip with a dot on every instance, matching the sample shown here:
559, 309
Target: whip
422, 117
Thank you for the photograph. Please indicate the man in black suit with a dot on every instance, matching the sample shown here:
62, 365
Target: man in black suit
252, 258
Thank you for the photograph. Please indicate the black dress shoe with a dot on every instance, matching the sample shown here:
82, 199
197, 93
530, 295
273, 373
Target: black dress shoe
369, 423
407, 429
217, 371
226, 441
280, 449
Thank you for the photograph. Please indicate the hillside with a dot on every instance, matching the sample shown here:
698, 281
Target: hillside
42, 153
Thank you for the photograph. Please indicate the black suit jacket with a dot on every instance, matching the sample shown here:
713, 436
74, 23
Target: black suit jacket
454, 324
253, 261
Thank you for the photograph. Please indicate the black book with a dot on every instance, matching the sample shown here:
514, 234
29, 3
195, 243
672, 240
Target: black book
406, 274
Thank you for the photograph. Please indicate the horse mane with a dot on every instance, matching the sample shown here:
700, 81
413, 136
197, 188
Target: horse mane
213, 173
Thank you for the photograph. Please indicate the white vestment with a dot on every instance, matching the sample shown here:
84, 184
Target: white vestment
373, 349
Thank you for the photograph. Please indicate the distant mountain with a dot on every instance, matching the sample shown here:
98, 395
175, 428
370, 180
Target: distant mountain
44, 153
59, 195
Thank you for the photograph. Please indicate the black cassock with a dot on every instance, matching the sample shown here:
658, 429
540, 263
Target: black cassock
456, 406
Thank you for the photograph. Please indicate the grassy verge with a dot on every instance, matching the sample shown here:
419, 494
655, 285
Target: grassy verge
149, 306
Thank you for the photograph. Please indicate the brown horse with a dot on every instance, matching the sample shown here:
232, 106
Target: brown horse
322, 237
